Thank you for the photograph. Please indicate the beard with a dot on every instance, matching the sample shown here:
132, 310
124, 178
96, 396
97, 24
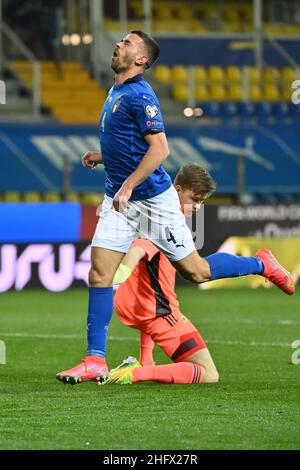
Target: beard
123, 65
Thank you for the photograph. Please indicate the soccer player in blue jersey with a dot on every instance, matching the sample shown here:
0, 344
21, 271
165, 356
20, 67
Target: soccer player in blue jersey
140, 201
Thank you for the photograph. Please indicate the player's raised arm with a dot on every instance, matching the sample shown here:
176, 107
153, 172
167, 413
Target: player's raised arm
91, 159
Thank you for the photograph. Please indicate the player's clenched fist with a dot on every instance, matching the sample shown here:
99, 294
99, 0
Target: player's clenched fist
91, 159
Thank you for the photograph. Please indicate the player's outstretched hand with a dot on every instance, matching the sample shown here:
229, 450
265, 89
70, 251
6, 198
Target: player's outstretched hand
120, 201
91, 159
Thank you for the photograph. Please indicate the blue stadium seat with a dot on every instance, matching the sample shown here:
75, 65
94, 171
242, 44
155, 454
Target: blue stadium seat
211, 109
295, 110
281, 109
263, 109
247, 109
229, 108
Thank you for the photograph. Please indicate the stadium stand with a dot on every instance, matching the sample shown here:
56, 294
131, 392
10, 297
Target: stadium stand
69, 92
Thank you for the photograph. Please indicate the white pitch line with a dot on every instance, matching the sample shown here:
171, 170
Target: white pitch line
135, 338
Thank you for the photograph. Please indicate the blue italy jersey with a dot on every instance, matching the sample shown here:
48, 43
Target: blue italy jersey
131, 111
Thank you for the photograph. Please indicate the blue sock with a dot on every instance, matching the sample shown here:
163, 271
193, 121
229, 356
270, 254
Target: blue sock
100, 312
225, 265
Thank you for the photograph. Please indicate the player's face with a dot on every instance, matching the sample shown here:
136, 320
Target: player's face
189, 201
127, 52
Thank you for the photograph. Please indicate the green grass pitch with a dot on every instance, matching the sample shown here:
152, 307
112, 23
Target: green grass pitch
254, 406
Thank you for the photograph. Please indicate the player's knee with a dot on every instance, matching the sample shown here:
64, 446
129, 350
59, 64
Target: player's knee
97, 278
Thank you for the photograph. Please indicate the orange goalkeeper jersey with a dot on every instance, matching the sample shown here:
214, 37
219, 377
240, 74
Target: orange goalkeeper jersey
150, 290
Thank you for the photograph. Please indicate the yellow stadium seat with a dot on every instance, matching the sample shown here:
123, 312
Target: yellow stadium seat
288, 74
253, 75
216, 74
51, 197
67, 89
182, 11
233, 74
179, 73
11, 196
92, 199
231, 13
235, 92
72, 197
246, 12
200, 73
286, 92
162, 12
271, 92
32, 196
271, 75
218, 93
180, 92
255, 93
201, 93
162, 74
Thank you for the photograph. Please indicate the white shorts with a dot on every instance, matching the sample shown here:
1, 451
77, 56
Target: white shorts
158, 219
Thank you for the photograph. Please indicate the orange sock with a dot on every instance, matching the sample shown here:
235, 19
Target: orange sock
146, 349
180, 373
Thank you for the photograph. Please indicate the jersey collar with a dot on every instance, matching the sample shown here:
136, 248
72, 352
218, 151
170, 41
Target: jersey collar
136, 78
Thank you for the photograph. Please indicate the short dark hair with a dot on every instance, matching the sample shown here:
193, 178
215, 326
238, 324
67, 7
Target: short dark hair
151, 46
193, 176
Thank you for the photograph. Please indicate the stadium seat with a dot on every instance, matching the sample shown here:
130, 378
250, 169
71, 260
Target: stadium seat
271, 75
200, 74
182, 11
254, 76
32, 196
72, 197
231, 13
180, 92
255, 93
233, 74
218, 93
92, 199
201, 93
162, 12
235, 92
216, 74
281, 109
162, 74
271, 92
52, 197
295, 110
66, 89
11, 196
263, 109
288, 75
229, 109
286, 92
247, 109
179, 73
211, 109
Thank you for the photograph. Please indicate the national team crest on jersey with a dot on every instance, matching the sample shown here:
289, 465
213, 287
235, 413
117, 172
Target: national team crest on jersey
117, 105
151, 110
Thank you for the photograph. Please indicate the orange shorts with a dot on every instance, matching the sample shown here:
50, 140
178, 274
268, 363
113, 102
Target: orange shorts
174, 333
